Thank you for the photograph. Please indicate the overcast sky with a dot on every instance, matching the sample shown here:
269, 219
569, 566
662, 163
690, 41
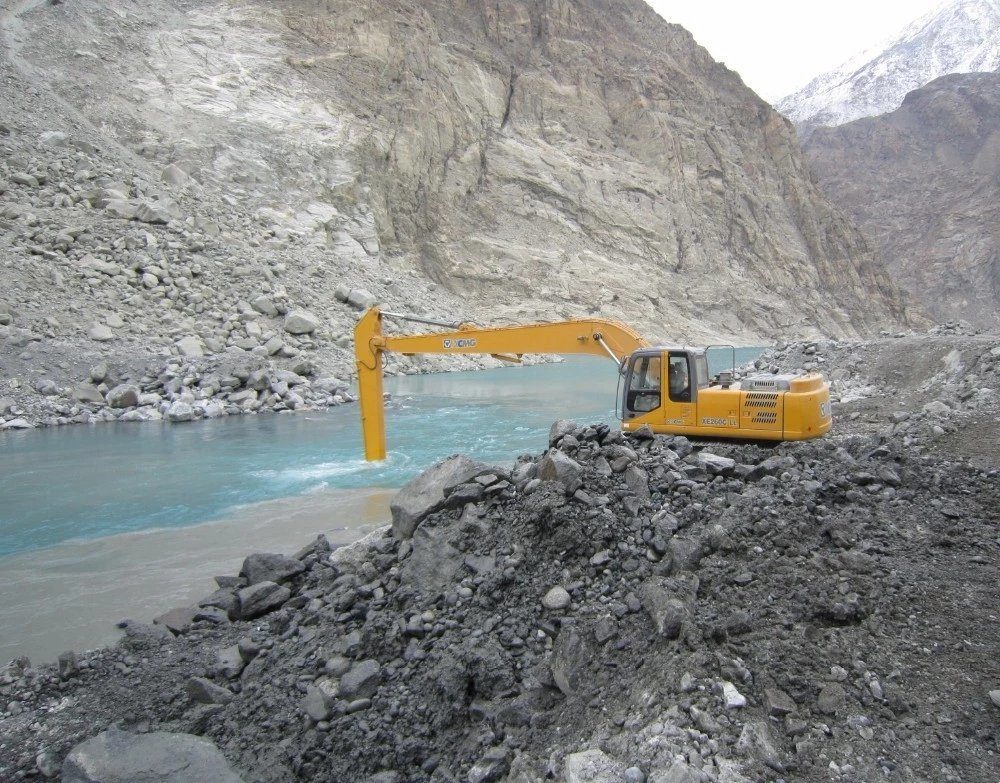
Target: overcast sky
777, 46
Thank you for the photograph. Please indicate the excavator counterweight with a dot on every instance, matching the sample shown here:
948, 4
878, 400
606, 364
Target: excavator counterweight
667, 388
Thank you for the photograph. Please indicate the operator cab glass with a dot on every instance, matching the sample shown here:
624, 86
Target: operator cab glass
642, 388
679, 377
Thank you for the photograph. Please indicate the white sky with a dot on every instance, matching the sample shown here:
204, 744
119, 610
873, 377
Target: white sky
777, 46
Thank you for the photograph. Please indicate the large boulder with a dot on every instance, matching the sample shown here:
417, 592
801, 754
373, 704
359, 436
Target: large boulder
125, 395
434, 563
556, 466
428, 492
301, 322
259, 599
87, 392
116, 756
191, 346
267, 567
668, 601
361, 681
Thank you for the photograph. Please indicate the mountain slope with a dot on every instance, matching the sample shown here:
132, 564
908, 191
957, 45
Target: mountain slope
495, 160
962, 36
924, 182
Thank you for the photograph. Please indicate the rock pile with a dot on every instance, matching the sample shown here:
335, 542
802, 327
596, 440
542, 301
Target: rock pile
925, 387
616, 609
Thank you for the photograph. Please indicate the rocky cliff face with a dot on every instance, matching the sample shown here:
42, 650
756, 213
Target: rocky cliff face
962, 36
494, 161
924, 182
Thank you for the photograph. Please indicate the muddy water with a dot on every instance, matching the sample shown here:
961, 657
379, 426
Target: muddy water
70, 596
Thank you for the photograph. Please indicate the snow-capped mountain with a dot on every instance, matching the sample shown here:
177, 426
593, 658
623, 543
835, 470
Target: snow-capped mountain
960, 36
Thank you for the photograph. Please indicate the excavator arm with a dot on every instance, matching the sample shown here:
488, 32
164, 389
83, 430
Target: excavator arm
578, 336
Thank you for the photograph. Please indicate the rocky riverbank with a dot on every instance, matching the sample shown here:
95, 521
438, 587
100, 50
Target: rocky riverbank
616, 609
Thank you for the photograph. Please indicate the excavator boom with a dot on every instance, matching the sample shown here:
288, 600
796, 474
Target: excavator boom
577, 336
668, 389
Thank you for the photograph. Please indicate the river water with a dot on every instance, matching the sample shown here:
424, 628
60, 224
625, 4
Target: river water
114, 520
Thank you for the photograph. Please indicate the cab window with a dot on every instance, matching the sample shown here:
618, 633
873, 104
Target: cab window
679, 378
644, 385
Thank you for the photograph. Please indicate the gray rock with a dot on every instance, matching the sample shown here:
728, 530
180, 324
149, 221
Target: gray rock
556, 466
17, 424
191, 346
174, 175
46, 387
668, 602
556, 598
124, 395
301, 322
229, 662
263, 305
180, 411
87, 393
638, 481
177, 620
361, 681
426, 493
756, 741
995, 697
259, 599
361, 299
159, 757
434, 562
716, 464
161, 211
571, 656
831, 699
314, 704
559, 429
592, 766
204, 691
100, 333
69, 666
270, 568
492, 767
778, 703
731, 697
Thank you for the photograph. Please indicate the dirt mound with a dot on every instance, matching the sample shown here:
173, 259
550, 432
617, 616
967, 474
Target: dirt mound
650, 607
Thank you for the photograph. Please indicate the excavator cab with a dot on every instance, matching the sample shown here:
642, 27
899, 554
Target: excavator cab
663, 384
670, 390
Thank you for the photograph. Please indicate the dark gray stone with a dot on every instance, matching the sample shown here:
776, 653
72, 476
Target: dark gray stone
832, 698
259, 599
205, 691
362, 680
570, 657
556, 466
266, 567
159, 757
427, 493
177, 620
668, 602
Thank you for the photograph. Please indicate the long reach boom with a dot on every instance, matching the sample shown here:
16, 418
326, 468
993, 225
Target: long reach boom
509, 343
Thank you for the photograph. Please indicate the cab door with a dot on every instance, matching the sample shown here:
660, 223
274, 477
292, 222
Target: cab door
642, 399
681, 390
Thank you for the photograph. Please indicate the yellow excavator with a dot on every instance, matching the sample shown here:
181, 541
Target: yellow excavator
667, 388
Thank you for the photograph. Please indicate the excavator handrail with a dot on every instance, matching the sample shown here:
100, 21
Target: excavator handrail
595, 336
